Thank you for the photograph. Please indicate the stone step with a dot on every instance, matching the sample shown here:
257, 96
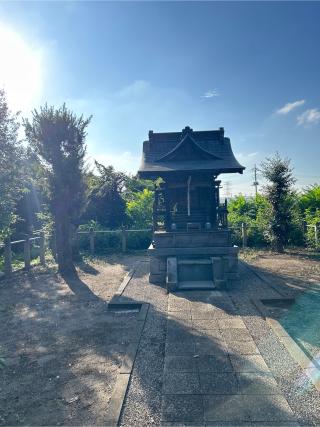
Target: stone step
193, 261
196, 284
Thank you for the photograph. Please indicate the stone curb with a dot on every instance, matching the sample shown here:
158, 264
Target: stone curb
120, 390
309, 368
125, 281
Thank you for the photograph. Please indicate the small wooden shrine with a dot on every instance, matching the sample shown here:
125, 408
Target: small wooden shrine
191, 246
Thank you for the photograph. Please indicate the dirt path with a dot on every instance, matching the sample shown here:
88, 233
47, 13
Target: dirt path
62, 351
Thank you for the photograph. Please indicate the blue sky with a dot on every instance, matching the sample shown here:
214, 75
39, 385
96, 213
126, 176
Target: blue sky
251, 67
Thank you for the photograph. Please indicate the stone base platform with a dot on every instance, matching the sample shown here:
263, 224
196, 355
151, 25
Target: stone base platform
226, 257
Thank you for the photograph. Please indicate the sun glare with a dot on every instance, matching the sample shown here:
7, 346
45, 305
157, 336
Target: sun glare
20, 70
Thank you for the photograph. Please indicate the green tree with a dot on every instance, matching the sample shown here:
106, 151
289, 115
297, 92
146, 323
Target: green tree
255, 213
11, 167
57, 137
105, 202
139, 209
278, 191
309, 202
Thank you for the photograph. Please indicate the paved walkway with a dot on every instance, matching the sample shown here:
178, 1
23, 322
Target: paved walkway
209, 358
213, 372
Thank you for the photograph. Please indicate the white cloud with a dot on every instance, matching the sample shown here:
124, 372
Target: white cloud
311, 116
290, 106
210, 94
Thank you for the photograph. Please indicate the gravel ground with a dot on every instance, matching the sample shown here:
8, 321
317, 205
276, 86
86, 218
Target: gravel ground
63, 350
143, 402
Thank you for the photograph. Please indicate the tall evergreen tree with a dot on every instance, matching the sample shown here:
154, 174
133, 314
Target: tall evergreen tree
11, 166
57, 136
278, 191
105, 202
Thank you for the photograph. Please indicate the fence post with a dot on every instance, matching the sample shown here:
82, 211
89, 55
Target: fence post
91, 240
27, 255
316, 234
7, 257
244, 235
123, 239
42, 249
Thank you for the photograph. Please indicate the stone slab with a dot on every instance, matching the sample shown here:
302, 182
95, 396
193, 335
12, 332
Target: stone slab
257, 383
242, 348
181, 383
218, 383
116, 401
184, 409
222, 408
214, 363
248, 363
180, 364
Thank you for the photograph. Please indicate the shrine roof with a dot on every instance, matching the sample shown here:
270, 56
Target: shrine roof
188, 151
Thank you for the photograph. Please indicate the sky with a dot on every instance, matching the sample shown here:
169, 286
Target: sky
251, 67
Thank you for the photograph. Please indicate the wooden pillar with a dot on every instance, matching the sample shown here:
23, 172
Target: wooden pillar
123, 239
244, 235
42, 249
7, 258
91, 240
27, 254
188, 195
166, 195
155, 208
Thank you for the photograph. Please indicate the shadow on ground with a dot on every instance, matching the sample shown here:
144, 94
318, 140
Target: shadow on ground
64, 354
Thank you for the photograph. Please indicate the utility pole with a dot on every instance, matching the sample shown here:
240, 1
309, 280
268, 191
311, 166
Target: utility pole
255, 182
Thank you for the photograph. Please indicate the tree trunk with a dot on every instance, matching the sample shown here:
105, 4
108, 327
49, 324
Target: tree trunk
63, 231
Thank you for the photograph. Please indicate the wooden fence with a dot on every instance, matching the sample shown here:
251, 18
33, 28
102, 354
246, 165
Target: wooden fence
244, 232
123, 234
41, 240
27, 242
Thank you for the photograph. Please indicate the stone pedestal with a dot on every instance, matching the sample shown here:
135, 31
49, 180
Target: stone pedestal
215, 247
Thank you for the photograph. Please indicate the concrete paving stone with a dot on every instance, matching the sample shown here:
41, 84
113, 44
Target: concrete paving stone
222, 408
244, 348
183, 408
204, 324
180, 363
268, 408
176, 334
179, 348
208, 334
217, 348
181, 383
183, 322
198, 306
237, 334
212, 363
248, 363
257, 383
218, 383
233, 323
275, 424
205, 315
